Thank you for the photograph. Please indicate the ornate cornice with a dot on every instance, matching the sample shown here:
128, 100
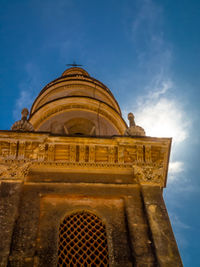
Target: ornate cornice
144, 158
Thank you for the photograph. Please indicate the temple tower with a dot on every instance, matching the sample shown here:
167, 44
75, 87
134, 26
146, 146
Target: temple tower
81, 188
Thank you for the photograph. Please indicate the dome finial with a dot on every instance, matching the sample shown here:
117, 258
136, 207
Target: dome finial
74, 65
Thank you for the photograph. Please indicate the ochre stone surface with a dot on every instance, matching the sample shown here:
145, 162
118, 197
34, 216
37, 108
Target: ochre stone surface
164, 241
77, 159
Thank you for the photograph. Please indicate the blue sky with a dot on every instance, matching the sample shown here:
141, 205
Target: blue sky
147, 52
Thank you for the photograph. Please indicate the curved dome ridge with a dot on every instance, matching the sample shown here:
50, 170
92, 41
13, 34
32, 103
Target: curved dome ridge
75, 71
76, 103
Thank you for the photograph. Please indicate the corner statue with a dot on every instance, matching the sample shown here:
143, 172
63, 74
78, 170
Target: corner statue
23, 125
133, 129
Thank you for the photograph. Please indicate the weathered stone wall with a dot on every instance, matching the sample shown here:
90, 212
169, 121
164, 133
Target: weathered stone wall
42, 208
120, 179
9, 202
165, 244
137, 225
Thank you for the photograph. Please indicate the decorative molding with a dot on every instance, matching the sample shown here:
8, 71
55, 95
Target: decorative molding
71, 106
83, 165
146, 174
15, 170
147, 160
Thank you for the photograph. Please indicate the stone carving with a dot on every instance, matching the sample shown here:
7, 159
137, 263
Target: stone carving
22, 149
121, 154
82, 153
111, 154
72, 153
149, 173
51, 152
13, 148
140, 153
133, 129
147, 160
147, 153
41, 151
91, 153
23, 125
15, 170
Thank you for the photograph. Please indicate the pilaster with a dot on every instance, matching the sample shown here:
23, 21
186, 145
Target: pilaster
141, 243
165, 245
9, 200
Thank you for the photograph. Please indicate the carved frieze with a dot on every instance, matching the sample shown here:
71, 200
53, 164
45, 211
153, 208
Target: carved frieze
111, 154
148, 160
14, 170
91, 153
51, 152
81, 153
72, 153
140, 153
147, 154
121, 154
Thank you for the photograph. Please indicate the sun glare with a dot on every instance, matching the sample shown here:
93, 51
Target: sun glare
162, 119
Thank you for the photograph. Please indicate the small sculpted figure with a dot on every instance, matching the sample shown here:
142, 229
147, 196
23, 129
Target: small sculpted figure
23, 125
133, 129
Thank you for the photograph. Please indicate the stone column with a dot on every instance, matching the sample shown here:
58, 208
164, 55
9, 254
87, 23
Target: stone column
140, 239
9, 200
165, 244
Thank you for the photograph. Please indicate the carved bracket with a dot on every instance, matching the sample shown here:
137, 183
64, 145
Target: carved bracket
149, 174
14, 170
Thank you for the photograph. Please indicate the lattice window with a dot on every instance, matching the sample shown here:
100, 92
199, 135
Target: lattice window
82, 241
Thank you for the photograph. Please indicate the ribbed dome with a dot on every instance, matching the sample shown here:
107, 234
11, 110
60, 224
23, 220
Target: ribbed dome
77, 98
75, 82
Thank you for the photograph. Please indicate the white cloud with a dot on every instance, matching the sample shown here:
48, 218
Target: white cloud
176, 169
157, 109
28, 89
148, 15
24, 100
162, 117
159, 113
161, 87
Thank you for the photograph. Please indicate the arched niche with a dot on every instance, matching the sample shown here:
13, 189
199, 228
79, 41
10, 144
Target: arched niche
80, 126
